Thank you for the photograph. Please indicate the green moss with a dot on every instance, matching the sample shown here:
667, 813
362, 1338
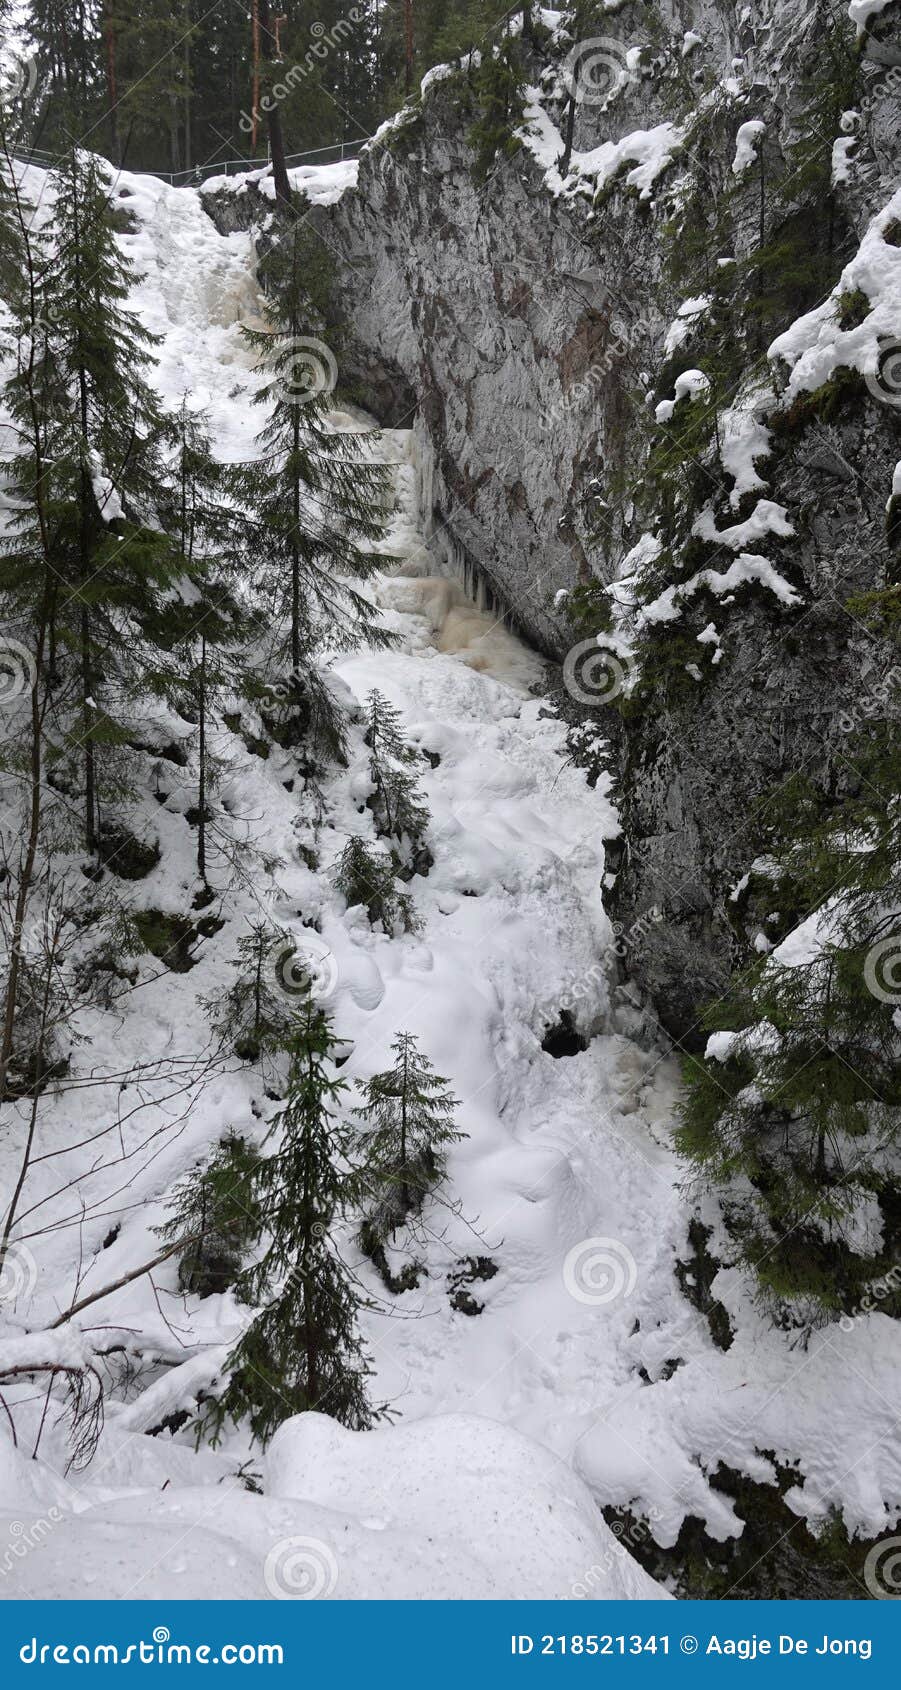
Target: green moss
171, 938
824, 404
853, 308
125, 856
880, 610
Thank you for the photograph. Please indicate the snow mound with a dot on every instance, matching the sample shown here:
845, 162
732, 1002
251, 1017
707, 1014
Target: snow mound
452, 1507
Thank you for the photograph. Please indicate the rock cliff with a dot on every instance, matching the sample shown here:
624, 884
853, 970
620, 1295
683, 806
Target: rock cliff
535, 322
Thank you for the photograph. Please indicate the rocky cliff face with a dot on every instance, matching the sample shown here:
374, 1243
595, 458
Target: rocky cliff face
527, 323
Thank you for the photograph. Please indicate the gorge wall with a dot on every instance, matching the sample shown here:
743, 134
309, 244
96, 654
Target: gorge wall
534, 324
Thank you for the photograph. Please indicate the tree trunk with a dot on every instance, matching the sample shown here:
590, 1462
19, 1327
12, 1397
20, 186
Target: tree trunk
273, 120
408, 46
201, 757
45, 618
295, 556
186, 96
109, 30
570, 125
87, 717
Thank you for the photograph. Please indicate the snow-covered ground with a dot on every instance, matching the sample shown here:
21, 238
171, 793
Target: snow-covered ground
514, 1424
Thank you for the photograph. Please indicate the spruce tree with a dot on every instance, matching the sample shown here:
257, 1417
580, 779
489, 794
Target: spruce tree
500, 92
214, 1211
409, 1117
202, 627
320, 503
302, 1349
256, 1014
113, 562
397, 801
368, 877
794, 1113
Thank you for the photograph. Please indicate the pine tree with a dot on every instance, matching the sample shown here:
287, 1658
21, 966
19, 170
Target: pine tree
256, 1014
302, 1350
200, 629
113, 562
409, 1127
320, 503
794, 1115
397, 802
500, 91
215, 1212
28, 563
369, 877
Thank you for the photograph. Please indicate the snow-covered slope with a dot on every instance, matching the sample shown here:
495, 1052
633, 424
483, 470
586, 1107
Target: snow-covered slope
452, 1507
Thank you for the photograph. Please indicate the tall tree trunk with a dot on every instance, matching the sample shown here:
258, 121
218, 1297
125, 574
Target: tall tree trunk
273, 120
45, 610
26, 874
187, 103
295, 555
84, 519
109, 30
570, 126
87, 718
201, 757
408, 46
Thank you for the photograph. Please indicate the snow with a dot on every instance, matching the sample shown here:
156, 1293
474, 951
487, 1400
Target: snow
815, 346
649, 151
744, 440
766, 518
861, 11
747, 568
842, 152
323, 184
746, 145
692, 384
686, 320
455, 1506
514, 1426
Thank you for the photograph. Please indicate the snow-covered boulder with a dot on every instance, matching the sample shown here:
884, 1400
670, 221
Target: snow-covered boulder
453, 1506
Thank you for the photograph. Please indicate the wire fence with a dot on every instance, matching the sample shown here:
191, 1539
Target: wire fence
335, 154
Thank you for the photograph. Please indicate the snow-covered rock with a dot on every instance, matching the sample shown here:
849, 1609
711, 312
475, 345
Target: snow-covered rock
451, 1507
